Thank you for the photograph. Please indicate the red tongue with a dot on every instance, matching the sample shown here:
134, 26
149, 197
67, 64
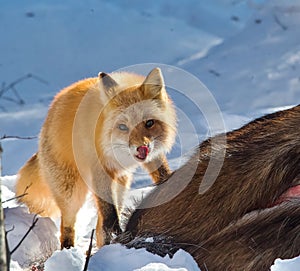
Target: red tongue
142, 152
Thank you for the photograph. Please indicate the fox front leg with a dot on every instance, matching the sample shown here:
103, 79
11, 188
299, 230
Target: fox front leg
108, 222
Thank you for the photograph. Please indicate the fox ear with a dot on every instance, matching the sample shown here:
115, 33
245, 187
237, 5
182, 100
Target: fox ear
108, 83
153, 85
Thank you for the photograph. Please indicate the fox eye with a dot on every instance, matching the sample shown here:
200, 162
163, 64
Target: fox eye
123, 127
149, 123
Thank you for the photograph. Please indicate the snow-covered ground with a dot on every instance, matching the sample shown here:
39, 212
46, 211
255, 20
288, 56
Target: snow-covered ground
247, 52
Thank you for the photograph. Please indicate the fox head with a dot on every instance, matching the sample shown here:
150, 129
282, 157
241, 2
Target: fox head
138, 120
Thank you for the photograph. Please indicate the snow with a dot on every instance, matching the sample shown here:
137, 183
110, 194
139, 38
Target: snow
40, 243
43, 243
69, 259
14, 266
247, 52
286, 265
159, 267
108, 258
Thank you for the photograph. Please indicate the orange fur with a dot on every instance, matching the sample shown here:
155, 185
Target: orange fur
90, 141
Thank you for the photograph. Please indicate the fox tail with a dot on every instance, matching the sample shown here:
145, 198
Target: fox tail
32, 189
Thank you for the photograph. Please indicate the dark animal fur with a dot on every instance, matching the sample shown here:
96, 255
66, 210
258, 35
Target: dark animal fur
230, 227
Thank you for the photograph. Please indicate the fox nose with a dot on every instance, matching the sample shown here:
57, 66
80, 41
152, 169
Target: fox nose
142, 152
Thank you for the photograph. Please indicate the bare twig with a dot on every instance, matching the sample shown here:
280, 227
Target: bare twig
20, 196
8, 231
283, 27
4, 256
9, 99
214, 72
39, 79
34, 221
17, 137
12, 87
5, 88
19, 99
1, 151
9, 86
88, 255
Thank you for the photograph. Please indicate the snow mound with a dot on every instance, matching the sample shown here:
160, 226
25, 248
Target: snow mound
66, 259
159, 267
286, 265
116, 257
41, 241
14, 266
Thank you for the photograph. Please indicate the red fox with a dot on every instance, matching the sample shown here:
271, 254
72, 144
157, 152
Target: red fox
250, 215
96, 132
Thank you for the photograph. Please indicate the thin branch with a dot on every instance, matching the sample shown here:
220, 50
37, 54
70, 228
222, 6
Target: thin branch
284, 27
20, 100
17, 81
39, 79
17, 137
20, 196
8, 231
12, 87
214, 72
88, 255
9, 99
34, 221
5, 88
